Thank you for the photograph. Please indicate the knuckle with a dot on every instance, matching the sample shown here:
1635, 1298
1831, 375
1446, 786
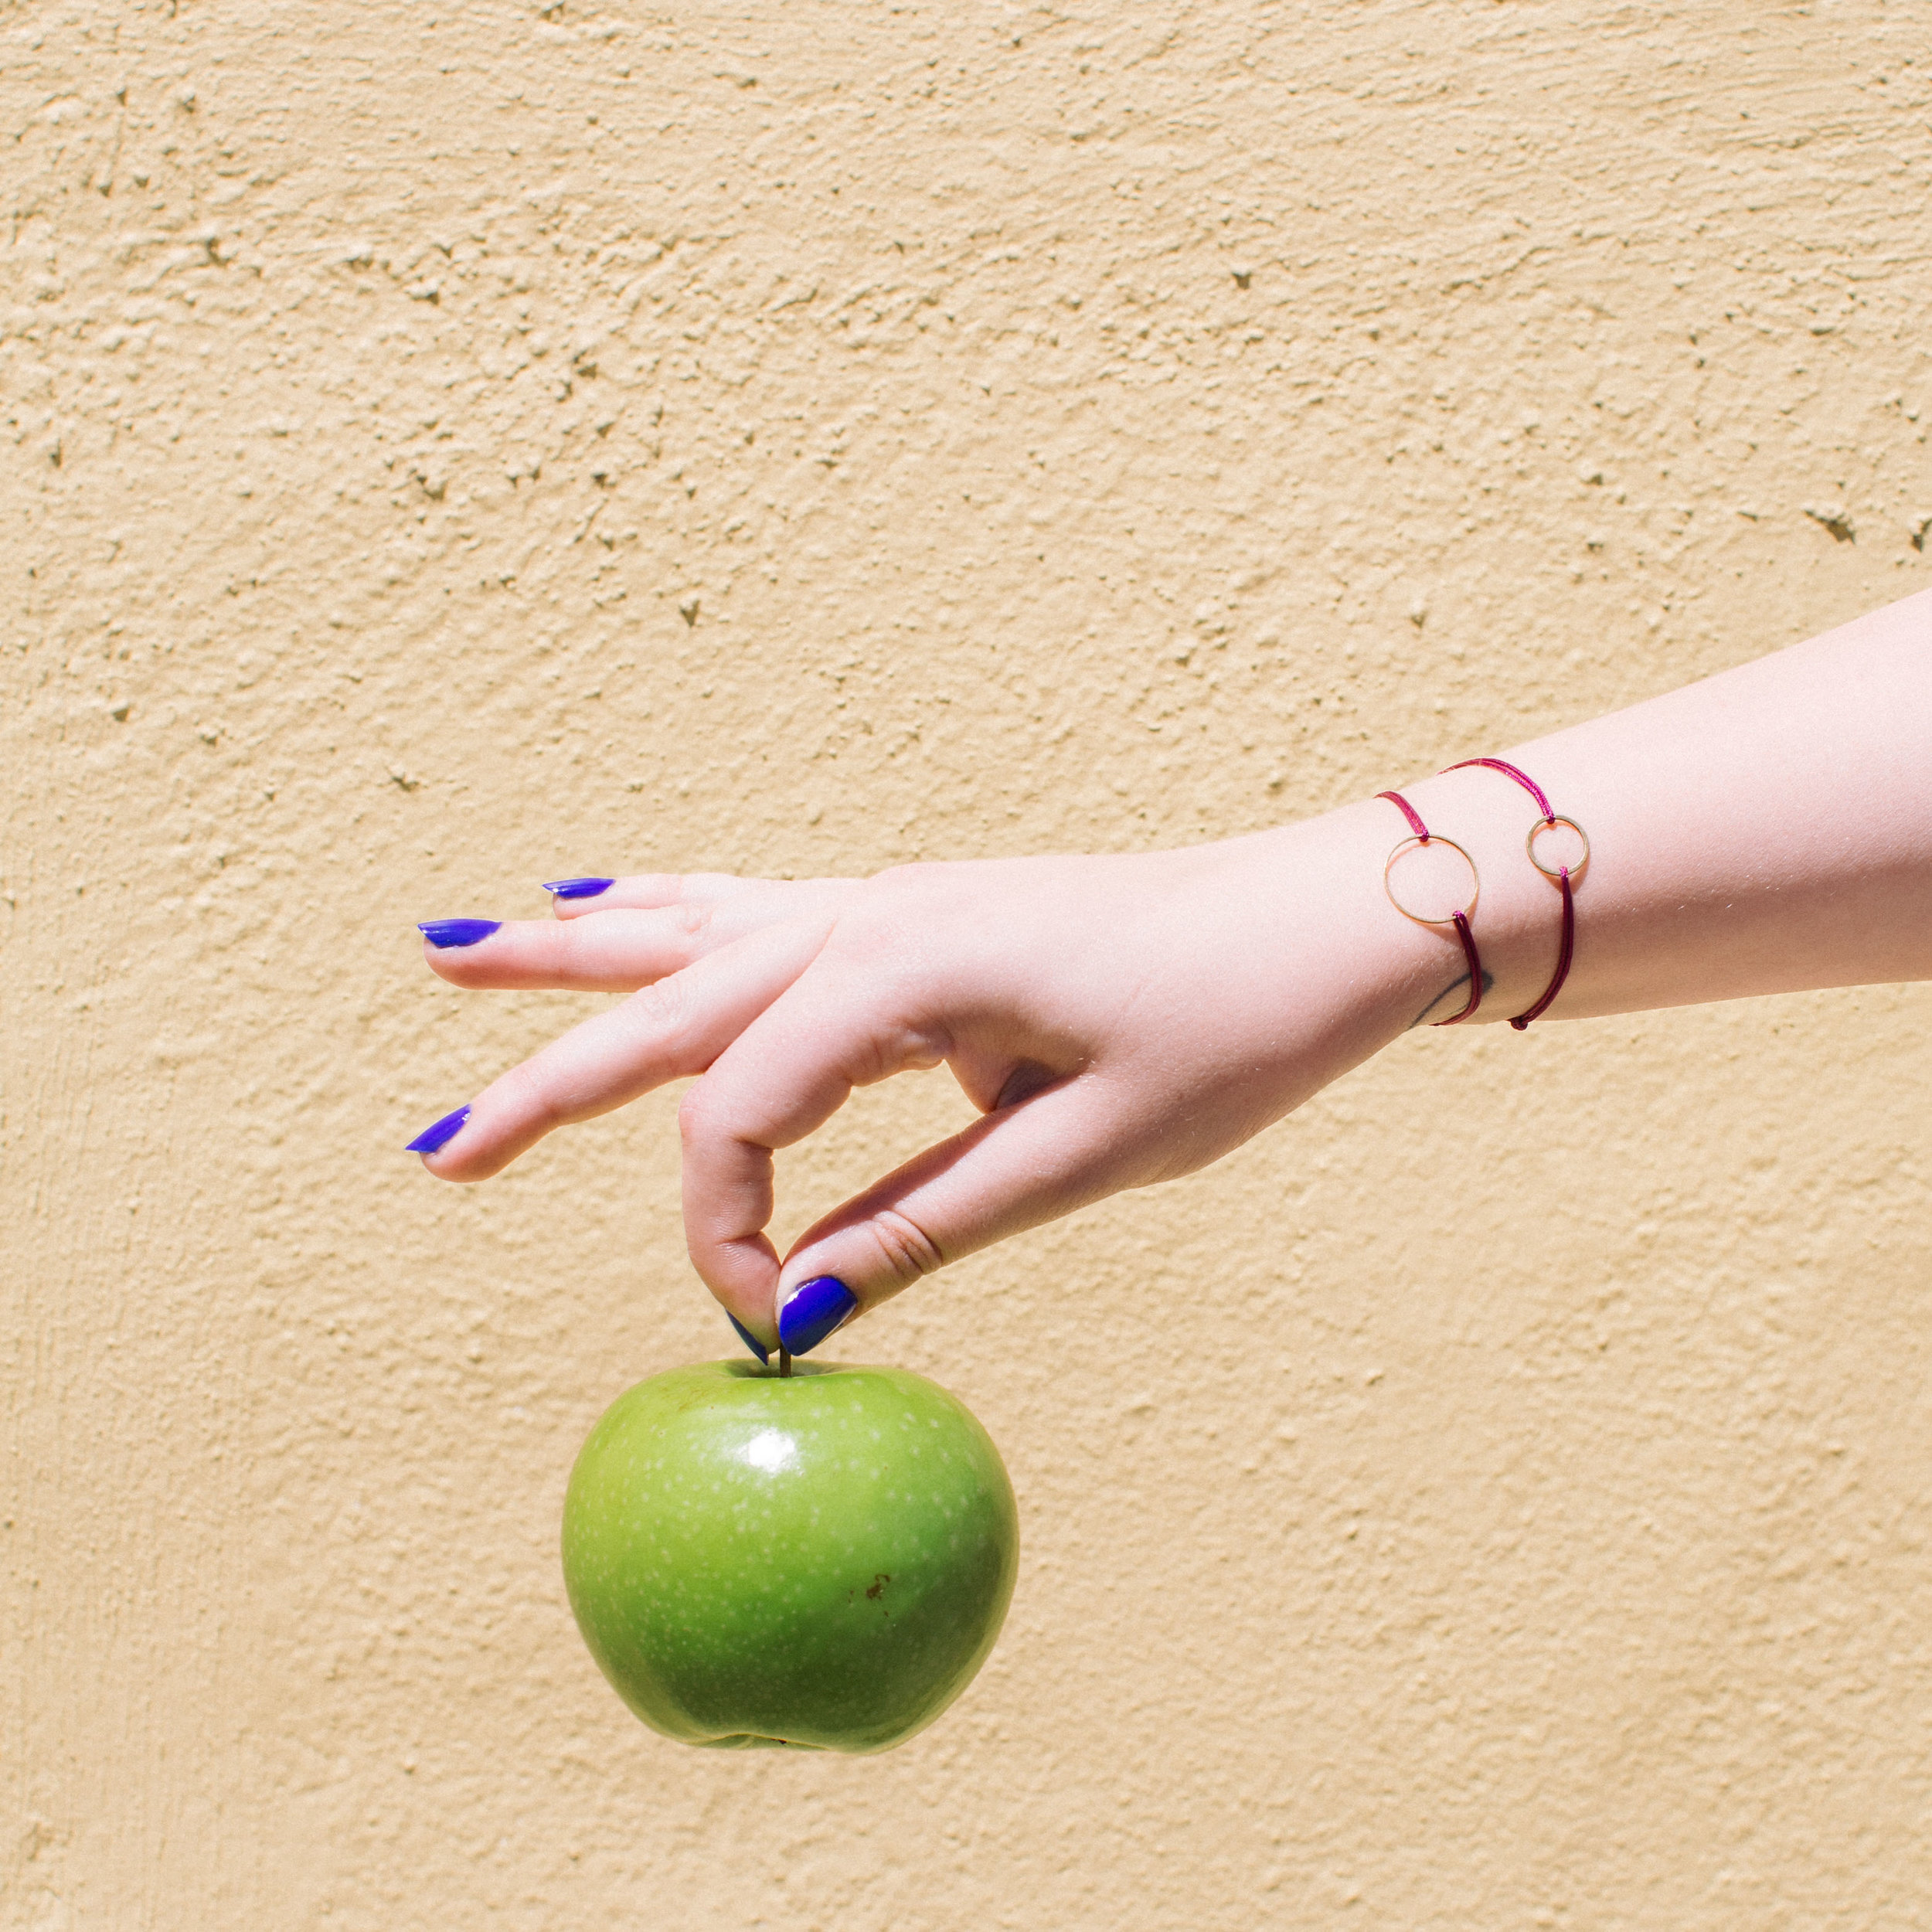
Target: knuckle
696, 1124
909, 1252
533, 1097
879, 930
664, 1007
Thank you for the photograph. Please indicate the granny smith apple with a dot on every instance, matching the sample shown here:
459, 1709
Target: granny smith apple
821, 1558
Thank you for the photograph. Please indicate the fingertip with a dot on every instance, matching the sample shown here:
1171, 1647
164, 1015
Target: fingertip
750, 1341
448, 934
814, 1310
435, 1138
565, 893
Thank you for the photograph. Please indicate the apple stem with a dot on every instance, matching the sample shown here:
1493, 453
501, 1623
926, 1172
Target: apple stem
784, 1359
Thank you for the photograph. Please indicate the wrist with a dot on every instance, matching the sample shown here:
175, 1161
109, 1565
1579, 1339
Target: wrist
1396, 971
1341, 957
1317, 970
1518, 920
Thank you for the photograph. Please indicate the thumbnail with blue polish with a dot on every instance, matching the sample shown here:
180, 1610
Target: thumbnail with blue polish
458, 932
578, 888
817, 1307
444, 1131
750, 1341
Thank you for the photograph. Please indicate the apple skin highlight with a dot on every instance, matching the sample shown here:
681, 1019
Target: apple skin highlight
822, 1561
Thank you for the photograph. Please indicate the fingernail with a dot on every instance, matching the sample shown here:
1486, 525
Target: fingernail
750, 1341
444, 1131
578, 888
816, 1308
457, 932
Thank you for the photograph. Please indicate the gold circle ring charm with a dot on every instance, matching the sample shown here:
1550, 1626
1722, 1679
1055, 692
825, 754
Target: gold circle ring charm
1550, 824
1422, 919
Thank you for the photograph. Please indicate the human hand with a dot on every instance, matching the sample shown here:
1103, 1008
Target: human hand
1122, 1020
1118, 1020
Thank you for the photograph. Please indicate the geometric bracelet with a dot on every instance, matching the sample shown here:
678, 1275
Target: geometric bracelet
1562, 878
1420, 835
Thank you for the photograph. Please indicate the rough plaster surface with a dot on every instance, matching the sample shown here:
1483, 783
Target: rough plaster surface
448, 446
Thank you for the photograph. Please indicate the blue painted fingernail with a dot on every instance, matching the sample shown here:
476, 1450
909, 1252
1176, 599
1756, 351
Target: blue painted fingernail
816, 1308
750, 1341
444, 1131
578, 888
458, 932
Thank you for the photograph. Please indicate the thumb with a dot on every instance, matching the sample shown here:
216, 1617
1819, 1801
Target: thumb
1056, 1151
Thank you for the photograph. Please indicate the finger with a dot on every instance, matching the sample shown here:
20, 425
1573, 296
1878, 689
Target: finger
785, 1075
572, 898
675, 1029
1024, 1165
617, 952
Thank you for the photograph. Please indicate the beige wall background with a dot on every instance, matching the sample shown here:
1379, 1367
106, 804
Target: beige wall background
450, 446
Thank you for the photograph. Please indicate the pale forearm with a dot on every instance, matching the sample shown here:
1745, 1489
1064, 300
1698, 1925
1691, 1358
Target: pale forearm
1123, 1019
1764, 831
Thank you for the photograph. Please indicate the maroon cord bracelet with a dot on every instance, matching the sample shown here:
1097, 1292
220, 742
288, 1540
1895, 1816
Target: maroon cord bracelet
1459, 919
1562, 878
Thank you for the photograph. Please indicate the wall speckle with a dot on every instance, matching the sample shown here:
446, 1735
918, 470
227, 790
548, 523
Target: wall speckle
447, 449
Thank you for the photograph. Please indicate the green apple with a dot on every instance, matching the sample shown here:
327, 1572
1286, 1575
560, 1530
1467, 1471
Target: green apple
822, 1559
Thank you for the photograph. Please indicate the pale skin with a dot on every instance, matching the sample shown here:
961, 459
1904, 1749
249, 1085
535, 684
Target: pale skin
1121, 1020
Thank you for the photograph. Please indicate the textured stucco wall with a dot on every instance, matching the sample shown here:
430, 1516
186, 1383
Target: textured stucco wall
447, 446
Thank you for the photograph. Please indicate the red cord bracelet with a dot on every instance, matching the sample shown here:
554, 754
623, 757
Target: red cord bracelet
1459, 919
1563, 877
